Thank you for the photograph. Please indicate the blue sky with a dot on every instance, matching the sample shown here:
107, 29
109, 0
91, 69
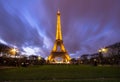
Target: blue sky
87, 25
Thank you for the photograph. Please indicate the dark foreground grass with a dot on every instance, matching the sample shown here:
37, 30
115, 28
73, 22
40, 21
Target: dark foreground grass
61, 73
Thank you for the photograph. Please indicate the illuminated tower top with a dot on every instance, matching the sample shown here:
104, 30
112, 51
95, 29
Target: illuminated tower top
58, 50
58, 29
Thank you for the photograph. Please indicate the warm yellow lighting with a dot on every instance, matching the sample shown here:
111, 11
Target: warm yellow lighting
58, 48
39, 58
13, 51
99, 50
58, 32
103, 50
94, 59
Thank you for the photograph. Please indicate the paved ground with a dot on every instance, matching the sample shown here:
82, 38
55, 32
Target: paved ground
5, 67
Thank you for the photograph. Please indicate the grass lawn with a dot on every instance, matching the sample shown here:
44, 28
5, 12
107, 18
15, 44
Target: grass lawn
61, 73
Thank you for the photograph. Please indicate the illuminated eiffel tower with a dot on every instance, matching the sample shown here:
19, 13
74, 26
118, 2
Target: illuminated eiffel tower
58, 54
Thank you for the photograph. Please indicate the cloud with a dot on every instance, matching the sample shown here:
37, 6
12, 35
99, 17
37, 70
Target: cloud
87, 25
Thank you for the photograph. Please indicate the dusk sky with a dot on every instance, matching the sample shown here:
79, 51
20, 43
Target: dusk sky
87, 25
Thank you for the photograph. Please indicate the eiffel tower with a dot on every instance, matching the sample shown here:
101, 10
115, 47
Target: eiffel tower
58, 54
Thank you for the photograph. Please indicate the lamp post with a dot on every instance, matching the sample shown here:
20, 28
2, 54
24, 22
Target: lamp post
13, 51
101, 52
100, 55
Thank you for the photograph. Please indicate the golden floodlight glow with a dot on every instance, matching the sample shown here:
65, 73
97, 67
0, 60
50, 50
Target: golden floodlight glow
39, 58
103, 50
13, 51
58, 48
58, 32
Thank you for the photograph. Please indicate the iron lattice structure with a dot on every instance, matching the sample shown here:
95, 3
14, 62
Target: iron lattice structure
58, 50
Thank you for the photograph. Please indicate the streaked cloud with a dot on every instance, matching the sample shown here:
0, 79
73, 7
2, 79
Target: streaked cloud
87, 25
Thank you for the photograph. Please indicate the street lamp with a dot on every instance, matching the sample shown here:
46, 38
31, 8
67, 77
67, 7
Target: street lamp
100, 51
39, 58
13, 51
103, 50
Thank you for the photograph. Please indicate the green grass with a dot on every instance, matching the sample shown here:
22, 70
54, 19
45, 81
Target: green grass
61, 73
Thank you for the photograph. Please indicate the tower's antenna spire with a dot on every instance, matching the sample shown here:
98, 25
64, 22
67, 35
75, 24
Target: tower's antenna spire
58, 12
58, 30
